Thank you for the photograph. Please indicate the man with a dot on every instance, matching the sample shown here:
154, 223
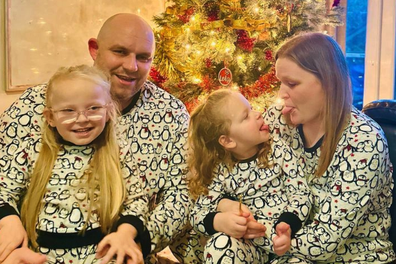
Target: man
152, 132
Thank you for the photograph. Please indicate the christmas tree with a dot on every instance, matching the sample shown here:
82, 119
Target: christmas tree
204, 45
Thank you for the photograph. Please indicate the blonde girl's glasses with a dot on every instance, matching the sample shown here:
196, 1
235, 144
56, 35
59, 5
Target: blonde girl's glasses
68, 115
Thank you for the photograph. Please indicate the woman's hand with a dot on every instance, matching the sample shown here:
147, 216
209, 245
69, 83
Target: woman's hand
122, 245
282, 240
24, 255
12, 235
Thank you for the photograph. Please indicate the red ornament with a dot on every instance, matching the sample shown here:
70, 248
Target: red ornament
268, 55
244, 42
157, 77
208, 63
225, 76
187, 15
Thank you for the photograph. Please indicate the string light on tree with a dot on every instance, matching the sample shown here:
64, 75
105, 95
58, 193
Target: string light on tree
197, 40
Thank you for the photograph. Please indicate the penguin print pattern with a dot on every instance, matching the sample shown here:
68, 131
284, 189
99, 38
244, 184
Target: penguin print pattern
267, 192
157, 121
350, 217
65, 207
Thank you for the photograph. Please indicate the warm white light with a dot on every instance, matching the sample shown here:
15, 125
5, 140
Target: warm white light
227, 49
33, 49
213, 44
239, 57
196, 80
188, 46
139, 10
259, 68
279, 101
256, 9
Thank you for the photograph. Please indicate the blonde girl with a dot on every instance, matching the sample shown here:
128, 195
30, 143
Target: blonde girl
76, 194
231, 157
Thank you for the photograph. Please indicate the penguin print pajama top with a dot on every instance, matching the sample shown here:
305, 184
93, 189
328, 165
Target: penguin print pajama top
350, 217
275, 193
152, 134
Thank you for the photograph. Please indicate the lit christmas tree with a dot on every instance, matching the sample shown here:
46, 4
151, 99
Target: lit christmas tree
204, 45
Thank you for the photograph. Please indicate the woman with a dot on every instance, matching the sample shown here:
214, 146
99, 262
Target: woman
343, 154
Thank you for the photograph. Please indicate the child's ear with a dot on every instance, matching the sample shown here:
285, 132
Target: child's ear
49, 117
227, 142
109, 108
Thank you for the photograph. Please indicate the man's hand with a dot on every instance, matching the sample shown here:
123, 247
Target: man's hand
282, 240
24, 255
12, 235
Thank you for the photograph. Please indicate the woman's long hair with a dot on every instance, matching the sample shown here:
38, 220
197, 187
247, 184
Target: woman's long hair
208, 122
104, 171
320, 55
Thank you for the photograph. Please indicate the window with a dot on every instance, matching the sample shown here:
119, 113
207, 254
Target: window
355, 45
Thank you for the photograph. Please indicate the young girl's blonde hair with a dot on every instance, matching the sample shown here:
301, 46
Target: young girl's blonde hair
105, 169
208, 122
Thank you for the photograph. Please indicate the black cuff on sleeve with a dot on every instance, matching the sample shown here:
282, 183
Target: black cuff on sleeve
229, 197
292, 220
143, 236
132, 220
6, 210
145, 242
208, 223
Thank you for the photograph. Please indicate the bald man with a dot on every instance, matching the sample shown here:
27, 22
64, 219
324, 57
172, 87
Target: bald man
152, 134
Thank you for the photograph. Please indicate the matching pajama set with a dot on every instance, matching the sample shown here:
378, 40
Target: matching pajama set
276, 193
65, 203
152, 134
350, 219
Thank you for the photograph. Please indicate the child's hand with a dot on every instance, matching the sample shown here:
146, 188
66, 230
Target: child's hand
226, 205
121, 244
12, 235
24, 255
230, 223
282, 240
254, 229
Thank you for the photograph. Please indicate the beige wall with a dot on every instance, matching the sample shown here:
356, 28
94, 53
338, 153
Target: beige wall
5, 99
88, 22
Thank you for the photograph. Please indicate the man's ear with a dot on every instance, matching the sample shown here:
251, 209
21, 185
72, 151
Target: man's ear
227, 142
49, 117
93, 47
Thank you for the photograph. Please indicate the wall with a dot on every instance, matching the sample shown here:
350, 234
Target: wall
5, 99
41, 44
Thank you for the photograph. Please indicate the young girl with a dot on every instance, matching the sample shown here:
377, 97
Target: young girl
70, 183
231, 157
